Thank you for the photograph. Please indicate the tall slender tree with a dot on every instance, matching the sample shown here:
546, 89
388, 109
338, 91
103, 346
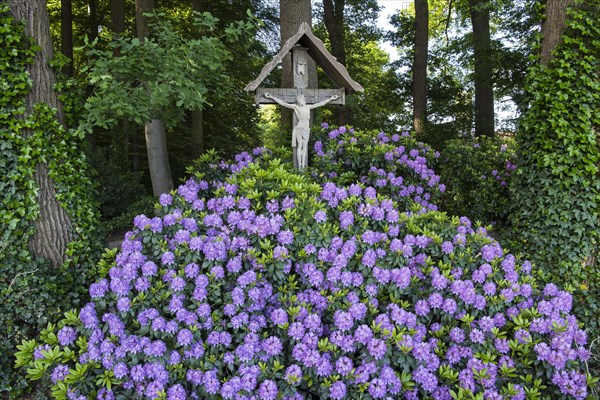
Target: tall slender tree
117, 16
52, 227
92, 20
197, 129
333, 13
66, 35
154, 130
419, 67
484, 89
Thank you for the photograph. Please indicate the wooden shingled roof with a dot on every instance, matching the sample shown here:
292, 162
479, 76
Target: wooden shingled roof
316, 49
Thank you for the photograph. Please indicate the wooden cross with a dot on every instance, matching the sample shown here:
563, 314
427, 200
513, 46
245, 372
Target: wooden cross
303, 46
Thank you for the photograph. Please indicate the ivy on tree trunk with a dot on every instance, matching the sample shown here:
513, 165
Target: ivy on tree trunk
52, 227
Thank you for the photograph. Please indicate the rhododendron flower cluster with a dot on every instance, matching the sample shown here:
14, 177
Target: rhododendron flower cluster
395, 165
267, 285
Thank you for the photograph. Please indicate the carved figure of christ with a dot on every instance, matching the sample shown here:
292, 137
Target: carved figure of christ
301, 131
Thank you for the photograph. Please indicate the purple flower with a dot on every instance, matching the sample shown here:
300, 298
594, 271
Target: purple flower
176, 392
447, 247
184, 337
422, 308
346, 219
337, 391
426, 379
268, 390
66, 336
165, 199
285, 237
343, 320
377, 388
320, 216
293, 374
369, 258
98, 289
59, 373
178, 284
344, 365
272, 346
377, 348
279, 316
477, 336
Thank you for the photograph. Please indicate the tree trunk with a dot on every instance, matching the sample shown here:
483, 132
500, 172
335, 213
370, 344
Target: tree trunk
553, 26
484, 90
66, 35
197, 131
419, 67
334, 23
158, 157
117, 16
155, 132
52, 227
141, 22
92, 20
292, 14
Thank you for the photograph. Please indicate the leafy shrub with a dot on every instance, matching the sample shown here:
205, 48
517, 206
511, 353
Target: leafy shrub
118, 186
31, 291
256, 282
122, 222
477, 173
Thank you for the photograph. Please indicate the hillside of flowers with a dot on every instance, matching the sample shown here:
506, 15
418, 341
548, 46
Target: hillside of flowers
252, 281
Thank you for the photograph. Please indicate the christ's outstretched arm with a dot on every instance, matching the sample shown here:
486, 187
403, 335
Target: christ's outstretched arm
322, 103
279, 101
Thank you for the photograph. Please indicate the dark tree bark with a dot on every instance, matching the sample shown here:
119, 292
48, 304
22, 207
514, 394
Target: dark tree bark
419, 68
154, 130
66, 35
197, 116
141, 21
117, 16
553, 26
334, 23
52, 227
292, 14
93, 20
484, 89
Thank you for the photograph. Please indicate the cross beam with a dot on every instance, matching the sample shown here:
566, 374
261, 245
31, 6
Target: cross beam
312, 96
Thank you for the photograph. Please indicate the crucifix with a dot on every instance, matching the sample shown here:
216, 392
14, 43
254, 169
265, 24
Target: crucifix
302, 99
301, 130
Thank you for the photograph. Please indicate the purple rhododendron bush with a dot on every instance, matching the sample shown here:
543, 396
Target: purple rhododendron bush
255, 282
